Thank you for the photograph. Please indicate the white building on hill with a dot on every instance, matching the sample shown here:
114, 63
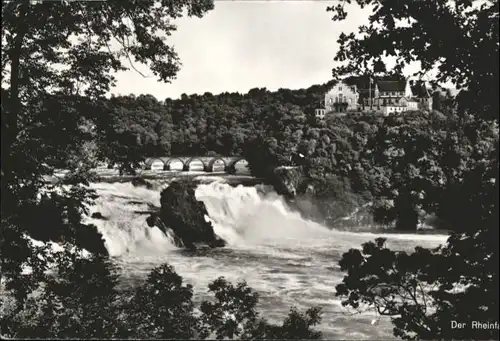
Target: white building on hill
384, 96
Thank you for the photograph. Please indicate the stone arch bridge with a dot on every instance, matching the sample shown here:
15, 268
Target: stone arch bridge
228, 164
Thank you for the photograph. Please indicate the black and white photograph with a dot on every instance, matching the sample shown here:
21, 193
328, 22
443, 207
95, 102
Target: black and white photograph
250, 170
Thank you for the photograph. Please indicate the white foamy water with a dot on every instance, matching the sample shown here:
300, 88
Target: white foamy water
288, 260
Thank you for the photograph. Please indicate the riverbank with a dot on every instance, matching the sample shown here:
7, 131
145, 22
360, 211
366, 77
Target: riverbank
113, 176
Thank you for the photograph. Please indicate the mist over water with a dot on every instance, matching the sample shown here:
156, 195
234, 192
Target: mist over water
288, 260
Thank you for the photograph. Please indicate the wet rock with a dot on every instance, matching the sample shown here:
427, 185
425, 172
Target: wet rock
183, 215
98, 215
152, 220
140, 182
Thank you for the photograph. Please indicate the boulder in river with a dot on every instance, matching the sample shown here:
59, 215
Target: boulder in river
185, 217
98, 215
140, 182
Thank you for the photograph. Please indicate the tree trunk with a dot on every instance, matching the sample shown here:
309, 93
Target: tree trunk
407, 216
12, 111
15, 56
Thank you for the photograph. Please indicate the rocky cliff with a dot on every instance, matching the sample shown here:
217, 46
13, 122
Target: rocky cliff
289, 181
328, 200
185, 216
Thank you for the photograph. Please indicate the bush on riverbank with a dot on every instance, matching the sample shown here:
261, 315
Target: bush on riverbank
83, 301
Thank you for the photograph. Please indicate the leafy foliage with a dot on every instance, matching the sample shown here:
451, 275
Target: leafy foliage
77, 300
130, 129
47, 120
446, 164
83, 300
425, 291
162, 307
425, 158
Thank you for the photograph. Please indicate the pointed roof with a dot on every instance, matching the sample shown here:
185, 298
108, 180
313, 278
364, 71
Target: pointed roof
361, 82
390, 83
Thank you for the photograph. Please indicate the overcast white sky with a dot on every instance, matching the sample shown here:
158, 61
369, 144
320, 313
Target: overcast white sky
246, 44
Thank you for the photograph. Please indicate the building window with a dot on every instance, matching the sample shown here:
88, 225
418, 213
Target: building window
340, 88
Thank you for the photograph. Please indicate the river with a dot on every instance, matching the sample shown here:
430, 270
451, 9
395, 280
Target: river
289, 261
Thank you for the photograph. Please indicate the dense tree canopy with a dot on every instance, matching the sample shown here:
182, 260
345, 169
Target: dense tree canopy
448, 166
58, 58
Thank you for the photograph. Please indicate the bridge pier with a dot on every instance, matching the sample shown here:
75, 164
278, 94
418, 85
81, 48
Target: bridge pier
230, 169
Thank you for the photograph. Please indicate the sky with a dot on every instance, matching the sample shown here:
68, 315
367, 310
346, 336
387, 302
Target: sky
241, 45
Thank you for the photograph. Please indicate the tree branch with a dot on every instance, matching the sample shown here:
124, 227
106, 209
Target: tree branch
127, 54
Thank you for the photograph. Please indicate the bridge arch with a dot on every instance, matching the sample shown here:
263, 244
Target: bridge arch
187, 164
212, 162
231, 166
168, 163
154, 164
